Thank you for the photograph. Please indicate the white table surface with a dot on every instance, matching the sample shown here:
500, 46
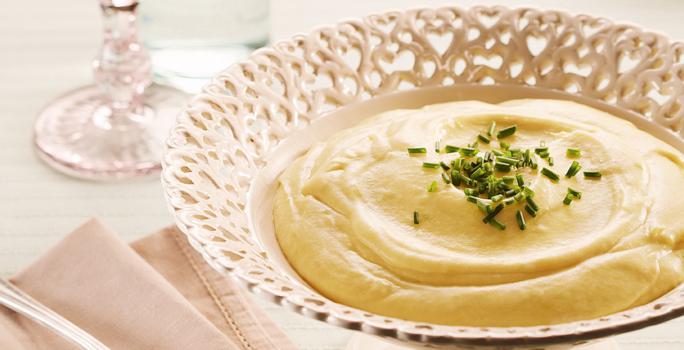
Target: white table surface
45, 49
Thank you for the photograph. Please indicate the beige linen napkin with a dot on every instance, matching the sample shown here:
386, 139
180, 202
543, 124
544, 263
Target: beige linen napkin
157, 293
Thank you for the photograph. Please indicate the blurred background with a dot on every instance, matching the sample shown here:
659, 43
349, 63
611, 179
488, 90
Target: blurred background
46, 48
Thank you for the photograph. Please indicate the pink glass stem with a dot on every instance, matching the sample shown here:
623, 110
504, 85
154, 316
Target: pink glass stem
122, 69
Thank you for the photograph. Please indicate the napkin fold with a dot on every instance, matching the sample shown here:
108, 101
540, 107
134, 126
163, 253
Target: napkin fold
157, 293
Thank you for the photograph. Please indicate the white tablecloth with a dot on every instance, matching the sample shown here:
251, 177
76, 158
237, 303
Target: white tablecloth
45, 49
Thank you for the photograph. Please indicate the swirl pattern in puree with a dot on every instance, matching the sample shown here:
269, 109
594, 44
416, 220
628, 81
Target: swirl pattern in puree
343, 218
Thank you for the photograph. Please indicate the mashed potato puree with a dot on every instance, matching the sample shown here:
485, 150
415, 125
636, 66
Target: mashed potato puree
343, 217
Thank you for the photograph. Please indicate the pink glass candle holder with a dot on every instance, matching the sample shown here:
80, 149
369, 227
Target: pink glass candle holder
115, 128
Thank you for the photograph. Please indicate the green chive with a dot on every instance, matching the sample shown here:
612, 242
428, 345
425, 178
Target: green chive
472, 199
508, 179
414, 150
520, 179
498, 224
444, 166
510, 161
430, 165
509, 201
484, 138
497, 198
519, 197
470, 192
593, 174
455, 178
437, 146
568, 199
506, 132
530, 210
456, 164
550, 159
533, 162
528, 191
510, 193
540, 150
496, 152
550, 174
573, 153
432, 187
493, 213
521, 220
577, 194
467, 151
415, 218
451, 149
504, 145
446, 178
532, 204
492, 128
483, 207
503, 167
573, 169
480, 172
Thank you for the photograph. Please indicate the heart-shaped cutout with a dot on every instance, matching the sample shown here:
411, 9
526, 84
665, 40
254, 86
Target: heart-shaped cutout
536, 44
440, 41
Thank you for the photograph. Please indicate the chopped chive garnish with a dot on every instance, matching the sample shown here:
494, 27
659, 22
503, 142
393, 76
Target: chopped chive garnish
451, 149
444, 166
568, 199
414, 150
479, 176
415, 218
505, 132
492, 128
550, 174
575, 193
573, 153
498, 224
493, 213
503, 167
520, 219
446, 178
592, 174
573, 169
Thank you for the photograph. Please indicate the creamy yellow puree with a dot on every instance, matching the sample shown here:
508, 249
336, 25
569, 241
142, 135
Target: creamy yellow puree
343, 217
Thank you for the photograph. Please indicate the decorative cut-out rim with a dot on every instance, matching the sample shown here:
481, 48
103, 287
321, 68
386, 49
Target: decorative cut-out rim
222, 138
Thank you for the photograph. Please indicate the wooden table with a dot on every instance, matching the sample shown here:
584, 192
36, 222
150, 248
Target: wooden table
45, 50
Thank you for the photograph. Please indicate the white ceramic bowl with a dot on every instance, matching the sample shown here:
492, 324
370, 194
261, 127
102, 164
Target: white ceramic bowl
252, 120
